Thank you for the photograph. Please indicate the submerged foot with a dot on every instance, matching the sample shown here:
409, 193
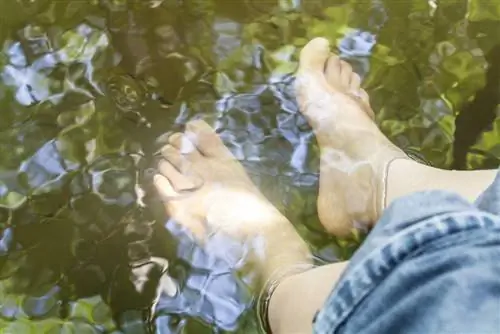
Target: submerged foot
354, 152
206, 189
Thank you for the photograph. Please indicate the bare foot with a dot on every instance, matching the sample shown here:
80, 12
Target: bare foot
223, 199
354, 153
226, 199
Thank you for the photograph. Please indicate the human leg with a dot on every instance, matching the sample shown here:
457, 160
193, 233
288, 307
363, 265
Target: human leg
341, 182
361, 171
430, 265
276, 240
227, 202
406, 177
427, 244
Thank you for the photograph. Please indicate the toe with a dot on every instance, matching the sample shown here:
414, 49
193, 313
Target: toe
175, 140
355, 83
332, 71
184, 145
206, 140
314, 55
164, 187
177, 180
363, 95
311, 83
175, 208
174, 157
345, 74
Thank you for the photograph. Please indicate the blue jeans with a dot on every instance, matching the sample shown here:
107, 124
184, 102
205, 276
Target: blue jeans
431, 265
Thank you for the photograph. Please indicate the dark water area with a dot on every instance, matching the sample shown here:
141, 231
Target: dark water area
90, 89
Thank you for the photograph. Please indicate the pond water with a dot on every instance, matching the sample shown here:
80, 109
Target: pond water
91, 88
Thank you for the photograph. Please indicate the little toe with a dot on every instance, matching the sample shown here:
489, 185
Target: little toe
175, 208
355, 83
164, 187
363, 96
178, 181
206, 140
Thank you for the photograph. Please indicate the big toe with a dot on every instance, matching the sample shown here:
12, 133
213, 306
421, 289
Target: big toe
314, 55
311, 84
206, 140
185, 146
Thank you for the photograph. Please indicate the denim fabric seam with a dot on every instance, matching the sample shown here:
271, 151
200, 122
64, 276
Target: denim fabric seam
437, 245
398, 246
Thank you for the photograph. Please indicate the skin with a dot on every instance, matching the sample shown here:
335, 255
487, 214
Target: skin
361, 173
253, 221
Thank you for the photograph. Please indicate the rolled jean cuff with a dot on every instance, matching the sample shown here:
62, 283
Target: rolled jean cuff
425, 245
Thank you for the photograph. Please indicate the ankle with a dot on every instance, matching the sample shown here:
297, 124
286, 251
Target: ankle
404, 176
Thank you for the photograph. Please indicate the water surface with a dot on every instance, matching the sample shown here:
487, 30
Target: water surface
91, 88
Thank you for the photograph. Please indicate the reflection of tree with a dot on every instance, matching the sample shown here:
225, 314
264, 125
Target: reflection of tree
422, 69
73, 229
403, 81
479, 114
226, 60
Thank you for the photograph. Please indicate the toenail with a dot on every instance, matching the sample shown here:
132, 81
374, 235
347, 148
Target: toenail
175, 137
197, 123
167, 149
321, 41
191, 136
186, 146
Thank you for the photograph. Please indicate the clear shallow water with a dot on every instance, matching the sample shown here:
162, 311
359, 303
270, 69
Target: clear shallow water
90, 89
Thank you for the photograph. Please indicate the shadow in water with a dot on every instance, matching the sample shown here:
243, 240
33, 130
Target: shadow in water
78, 251
91, 89
478, 115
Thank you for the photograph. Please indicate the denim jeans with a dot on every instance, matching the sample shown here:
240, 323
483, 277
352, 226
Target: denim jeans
431, 265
